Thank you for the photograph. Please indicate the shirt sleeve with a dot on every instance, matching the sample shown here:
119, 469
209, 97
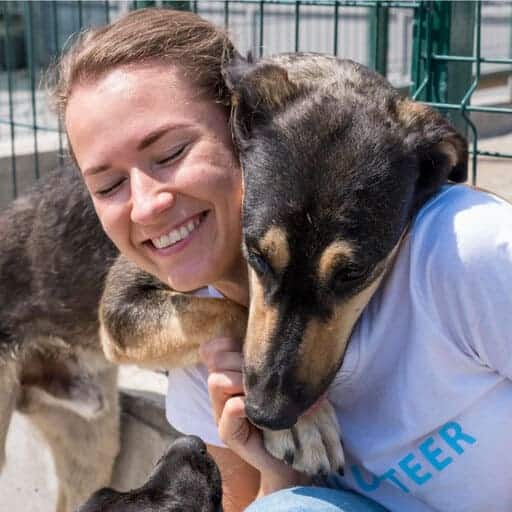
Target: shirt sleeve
467, 258
188, 407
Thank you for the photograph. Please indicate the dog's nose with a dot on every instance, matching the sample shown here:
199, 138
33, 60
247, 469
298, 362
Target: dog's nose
272, 418
190, 444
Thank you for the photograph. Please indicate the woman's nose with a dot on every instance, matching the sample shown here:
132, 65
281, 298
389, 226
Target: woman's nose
149, 198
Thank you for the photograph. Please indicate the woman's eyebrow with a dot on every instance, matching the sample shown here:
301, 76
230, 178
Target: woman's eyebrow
95, 170
154, 135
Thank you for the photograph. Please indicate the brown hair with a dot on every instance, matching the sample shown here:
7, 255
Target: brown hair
146, 35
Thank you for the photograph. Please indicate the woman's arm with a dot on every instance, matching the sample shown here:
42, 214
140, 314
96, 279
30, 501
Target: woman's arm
223, 359
240, 481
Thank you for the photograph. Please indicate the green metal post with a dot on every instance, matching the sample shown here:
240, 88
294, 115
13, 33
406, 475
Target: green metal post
443, 28
32, 76
458, 77
262, 14
336, 23
297, 25
10, 92
378, 38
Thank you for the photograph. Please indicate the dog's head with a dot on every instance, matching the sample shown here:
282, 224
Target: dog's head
185, 479
335, 164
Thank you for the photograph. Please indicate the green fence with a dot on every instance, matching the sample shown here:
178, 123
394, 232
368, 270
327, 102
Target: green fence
443, 53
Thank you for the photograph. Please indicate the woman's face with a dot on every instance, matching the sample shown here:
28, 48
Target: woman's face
158, 161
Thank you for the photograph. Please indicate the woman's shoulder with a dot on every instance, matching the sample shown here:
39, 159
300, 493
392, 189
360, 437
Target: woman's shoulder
464, 227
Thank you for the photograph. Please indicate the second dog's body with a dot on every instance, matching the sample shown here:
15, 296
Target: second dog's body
53, 261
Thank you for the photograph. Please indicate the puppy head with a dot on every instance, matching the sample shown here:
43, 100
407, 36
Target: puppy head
335, 164
185, 478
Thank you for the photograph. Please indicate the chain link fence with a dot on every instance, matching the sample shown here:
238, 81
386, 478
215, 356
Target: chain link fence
457, 56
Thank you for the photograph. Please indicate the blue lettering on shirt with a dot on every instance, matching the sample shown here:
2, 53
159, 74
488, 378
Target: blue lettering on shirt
411, 468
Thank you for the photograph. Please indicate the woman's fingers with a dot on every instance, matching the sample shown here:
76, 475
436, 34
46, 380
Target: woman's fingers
222, 386
223, 359
212, 351
240, 435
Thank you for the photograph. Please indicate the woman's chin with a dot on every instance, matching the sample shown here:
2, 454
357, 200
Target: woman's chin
184, 283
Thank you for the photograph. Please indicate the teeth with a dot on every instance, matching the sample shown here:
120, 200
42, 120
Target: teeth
176, 234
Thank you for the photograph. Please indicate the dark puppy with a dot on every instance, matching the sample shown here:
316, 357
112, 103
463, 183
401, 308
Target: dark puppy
186, 479
335, 166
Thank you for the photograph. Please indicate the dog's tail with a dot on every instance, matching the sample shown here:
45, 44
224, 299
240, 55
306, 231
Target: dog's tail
9, 392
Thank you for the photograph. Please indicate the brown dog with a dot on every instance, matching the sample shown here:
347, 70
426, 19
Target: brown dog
53, 261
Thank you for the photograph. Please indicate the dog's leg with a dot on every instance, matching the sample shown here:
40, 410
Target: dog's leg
9, 390
146, 323
312, 445
82, 431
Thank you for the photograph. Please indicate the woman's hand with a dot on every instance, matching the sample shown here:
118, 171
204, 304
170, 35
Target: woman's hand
223, 358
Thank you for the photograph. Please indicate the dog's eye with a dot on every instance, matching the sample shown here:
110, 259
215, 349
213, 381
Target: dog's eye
349, 276
260, 265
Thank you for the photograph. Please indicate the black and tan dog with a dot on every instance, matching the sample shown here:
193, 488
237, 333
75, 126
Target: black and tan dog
335, 165
185, 479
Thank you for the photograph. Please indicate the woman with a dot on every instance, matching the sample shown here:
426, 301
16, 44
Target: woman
146, 115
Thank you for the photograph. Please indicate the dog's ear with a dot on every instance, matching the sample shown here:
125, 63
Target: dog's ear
258, 91
442, 152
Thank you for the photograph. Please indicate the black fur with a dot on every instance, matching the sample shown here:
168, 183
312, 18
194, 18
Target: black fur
186, 479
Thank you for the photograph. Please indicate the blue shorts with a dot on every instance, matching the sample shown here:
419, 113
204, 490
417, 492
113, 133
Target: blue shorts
314, 499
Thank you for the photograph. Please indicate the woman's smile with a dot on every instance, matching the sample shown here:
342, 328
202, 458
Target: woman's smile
178, 237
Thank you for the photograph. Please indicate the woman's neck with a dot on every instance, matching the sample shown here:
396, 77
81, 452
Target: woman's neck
236, 286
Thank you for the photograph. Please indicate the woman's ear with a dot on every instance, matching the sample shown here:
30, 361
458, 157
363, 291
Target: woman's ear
258, 91
441, 151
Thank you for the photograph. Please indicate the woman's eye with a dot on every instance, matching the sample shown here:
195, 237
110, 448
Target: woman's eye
111, 188
172, 156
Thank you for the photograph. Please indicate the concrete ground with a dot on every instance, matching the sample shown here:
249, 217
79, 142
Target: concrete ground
495, 174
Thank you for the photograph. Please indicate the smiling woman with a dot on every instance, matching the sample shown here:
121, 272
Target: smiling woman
146, 114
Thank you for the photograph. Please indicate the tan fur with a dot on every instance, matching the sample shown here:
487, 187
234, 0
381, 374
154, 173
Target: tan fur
82, 431
172, 340
414, 116
333, 254
274, 246
319, 438
9, 391
265, 318
332, 337
274, 88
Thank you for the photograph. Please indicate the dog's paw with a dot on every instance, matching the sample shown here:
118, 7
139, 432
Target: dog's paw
312, 445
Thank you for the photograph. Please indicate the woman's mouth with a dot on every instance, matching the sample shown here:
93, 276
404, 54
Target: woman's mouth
179, 233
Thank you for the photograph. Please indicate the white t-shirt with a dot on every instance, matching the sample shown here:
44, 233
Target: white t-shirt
424, 395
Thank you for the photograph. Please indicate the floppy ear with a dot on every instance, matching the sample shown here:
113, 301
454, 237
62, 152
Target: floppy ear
442, 152
258, 91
